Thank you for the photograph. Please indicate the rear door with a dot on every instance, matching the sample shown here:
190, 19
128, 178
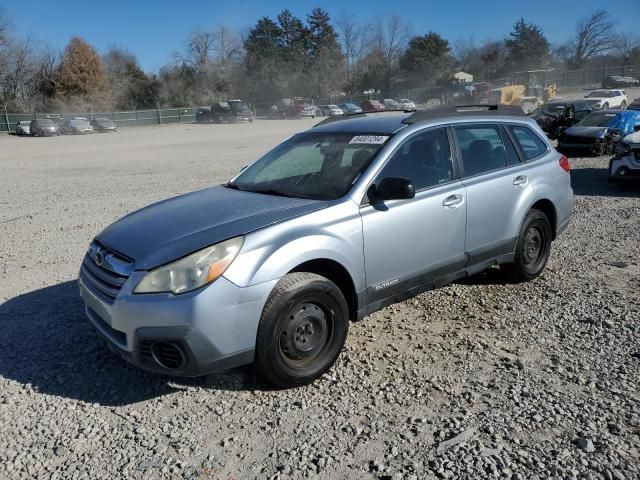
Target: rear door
497, 185
409, 242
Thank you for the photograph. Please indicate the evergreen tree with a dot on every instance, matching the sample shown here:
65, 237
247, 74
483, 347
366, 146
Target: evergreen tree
527, 47
427, 59
327, 65
262, 60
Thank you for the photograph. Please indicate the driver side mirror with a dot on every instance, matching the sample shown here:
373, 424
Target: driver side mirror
394, 188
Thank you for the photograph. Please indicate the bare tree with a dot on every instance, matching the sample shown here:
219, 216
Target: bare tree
626, 44
5, 27
200, 47
594, 35
351, 36
464, 50
227, 46
388, 39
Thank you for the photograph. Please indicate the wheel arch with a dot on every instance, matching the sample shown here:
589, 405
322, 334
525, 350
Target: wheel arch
547, 207
338, 274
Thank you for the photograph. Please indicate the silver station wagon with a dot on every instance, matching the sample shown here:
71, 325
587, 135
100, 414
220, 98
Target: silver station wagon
334, 223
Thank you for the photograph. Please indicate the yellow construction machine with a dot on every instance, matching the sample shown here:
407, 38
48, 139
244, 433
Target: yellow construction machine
528, 89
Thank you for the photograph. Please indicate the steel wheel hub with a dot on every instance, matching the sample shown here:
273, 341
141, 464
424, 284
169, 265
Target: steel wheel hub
304, 333
532, 245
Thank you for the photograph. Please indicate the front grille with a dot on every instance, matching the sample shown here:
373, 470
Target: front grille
104, 271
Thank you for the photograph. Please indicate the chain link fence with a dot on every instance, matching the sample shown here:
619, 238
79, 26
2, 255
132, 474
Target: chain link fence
134, 118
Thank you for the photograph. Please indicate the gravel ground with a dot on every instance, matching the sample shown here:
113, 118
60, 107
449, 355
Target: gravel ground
480, 379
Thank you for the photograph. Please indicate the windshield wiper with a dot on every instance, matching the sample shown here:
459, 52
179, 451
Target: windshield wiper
272, 191
231, 185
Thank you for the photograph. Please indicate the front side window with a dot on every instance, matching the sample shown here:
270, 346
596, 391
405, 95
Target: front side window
482, 149
321, 166
424, 158
532, 146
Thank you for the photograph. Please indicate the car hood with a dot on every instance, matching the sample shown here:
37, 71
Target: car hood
587, 132
173, 228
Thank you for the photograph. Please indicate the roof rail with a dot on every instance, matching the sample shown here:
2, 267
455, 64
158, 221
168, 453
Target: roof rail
458, 110
347, 116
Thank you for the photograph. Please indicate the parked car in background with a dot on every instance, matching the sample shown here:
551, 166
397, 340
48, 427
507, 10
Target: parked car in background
406, 104
635, 105
390, 104
557, 115
350, 108
302, 107
219, 112
44, 127
23, 128
605, 99
372, 106
103, 124
599, 132
625, 165
616, 81
241, 109
331, 110
76, 126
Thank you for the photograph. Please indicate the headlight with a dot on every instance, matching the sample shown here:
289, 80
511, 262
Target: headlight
622, 149
192, 271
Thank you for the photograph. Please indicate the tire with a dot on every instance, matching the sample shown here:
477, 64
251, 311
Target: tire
532, 249
302, 330
605, 106
623, 105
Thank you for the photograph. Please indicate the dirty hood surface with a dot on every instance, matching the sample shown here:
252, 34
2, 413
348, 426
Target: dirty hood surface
173, 228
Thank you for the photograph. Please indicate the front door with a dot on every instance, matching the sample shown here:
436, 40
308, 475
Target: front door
409, 242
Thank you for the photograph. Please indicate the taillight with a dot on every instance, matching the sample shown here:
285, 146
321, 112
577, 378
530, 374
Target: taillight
564, 163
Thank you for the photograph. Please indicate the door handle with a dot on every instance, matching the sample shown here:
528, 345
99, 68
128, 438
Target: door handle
453, 201
521, 181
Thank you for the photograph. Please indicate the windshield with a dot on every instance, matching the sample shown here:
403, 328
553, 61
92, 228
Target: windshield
319, 166
551, 108
597, 119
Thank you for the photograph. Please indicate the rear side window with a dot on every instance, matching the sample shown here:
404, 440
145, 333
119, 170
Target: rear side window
482, 149
532, 146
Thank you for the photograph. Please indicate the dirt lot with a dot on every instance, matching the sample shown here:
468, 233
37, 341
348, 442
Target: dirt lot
541, 380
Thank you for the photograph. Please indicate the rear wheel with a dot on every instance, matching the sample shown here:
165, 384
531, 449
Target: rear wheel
532, 249
302, 330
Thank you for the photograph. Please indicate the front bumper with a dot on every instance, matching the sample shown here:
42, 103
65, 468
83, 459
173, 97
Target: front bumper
213, 328
591, 147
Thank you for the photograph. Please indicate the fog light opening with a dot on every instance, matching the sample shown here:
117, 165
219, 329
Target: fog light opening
168, 355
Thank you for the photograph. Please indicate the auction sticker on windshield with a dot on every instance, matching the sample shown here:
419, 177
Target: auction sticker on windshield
369, 139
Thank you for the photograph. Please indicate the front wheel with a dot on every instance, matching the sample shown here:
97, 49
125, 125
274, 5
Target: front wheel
605, 106
532, 249
302, 330
623, 105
